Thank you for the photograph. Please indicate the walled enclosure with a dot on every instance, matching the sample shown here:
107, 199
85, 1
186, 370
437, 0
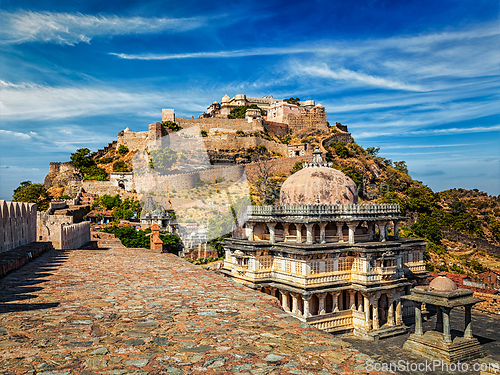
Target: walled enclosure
17, 224
61, 231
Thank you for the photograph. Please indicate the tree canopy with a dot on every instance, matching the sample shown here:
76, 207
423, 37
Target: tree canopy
162, 159
83, 161
32, 193
239, 112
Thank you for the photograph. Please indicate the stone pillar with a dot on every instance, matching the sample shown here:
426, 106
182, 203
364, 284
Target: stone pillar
250, 227
295, 305
299, 232
439, 319
390, 315
367, 313
418, 321
352, 301
286, 231
272, 234
446, 325
399, 313
382, 227
322, 232
396, 229
352, 227
284, 300
307, 312
468, 322
335, 306
375, 314
309, 238
321, 297
340, 235
371, 232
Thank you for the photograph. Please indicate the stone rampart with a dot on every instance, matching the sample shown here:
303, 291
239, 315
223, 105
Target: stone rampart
74, 236
17, 224
61, 174
232, 142
306, 122
105, 187
220, 123
133, 140
277, 166
277, 128
103, 151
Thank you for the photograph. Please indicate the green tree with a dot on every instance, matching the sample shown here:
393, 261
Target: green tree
120, 166
292, 100
171, 125
163, 158
32, 193
428, 227
239, 112
83, 161
122, 150
372, 151
401, 166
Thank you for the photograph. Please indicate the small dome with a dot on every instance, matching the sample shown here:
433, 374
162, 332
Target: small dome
215, 102
442, 284
226, 99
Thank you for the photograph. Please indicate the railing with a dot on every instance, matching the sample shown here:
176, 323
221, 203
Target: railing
339, 209
416, 267
332, 321
386, 270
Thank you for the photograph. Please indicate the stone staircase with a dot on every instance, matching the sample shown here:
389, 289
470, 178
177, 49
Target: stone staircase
106, 240
87, 199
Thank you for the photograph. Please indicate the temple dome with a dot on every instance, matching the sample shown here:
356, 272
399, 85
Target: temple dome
319, 184
442, 284
226, 99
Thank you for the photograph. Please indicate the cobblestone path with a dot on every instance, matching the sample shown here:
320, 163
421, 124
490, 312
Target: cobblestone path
134, 311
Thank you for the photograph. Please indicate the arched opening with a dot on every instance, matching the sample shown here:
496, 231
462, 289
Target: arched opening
279, 232
300, 305
328, 303
121, 184
314, 305
330, 232
316, 233
290, 301
383, 308
259, 232
344, 300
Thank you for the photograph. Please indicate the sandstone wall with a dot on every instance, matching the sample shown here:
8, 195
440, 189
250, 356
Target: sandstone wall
61, 174
280, 130
17, 224
133, 140
338, 137
214, 123
277, 166
105, 187
48, 227
232, 142
307, 122
75, 235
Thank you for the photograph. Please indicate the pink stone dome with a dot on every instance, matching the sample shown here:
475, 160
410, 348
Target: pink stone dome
318, 185
442, 284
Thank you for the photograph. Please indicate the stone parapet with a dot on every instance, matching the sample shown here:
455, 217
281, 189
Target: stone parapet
17, 224
336, 209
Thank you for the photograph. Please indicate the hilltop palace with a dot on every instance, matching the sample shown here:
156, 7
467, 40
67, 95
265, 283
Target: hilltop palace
319, 254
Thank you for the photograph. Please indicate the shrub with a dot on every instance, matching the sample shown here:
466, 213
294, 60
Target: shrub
120, 166
122, 149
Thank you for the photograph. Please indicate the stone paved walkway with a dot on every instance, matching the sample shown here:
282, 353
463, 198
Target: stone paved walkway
134, 311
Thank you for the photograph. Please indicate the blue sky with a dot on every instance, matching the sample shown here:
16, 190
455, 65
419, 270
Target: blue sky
419, 79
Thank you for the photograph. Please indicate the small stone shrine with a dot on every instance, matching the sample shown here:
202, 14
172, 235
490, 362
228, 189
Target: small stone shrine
329, 261
440, 344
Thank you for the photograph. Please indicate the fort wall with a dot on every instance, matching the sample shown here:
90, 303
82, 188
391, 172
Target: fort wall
338, 137
221, 123
314, 120
61, 231
60, 174
105, 187
132, 140
232, 142
17, 224
277, 128
74, 236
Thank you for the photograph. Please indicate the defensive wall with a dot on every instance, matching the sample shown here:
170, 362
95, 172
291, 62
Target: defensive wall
133, 140
105, 187
233, 173
277, 128
232, 142
215, 123
103, 151
17, 224
60, 174
60, 230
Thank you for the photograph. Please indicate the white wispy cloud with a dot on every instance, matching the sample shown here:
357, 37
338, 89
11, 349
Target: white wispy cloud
11, 134
72, 28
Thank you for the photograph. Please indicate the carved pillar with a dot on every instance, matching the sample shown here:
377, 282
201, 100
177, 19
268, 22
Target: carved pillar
375, 313
307, 312
396, 229
367, 312
399, 313
250, 227
371, 231
390, 315
340, 235
418, 321
382, 227
468, 322
284, 300
352, 301
299, 232
321, 297
272, 234
286, 231
446, 325
439, 319
295, 305
322, 232
309, 238
352, 228
335, 306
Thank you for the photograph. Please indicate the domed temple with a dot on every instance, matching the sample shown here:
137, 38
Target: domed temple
330, 261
